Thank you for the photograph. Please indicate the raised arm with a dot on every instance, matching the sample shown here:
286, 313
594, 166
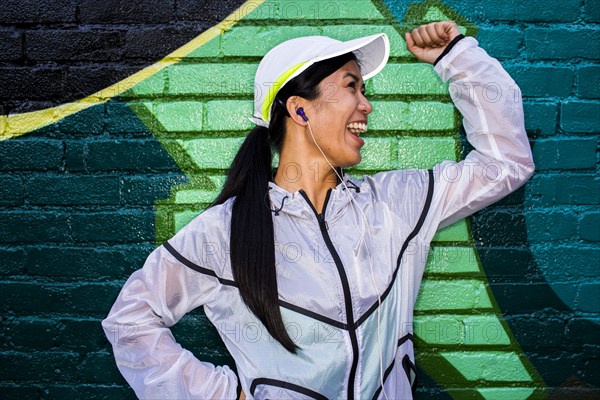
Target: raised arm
491, 106
153, 299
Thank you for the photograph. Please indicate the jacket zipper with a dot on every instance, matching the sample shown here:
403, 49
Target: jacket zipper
345, 286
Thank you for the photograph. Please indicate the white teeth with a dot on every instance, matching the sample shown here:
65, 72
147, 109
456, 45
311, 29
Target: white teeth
357, 127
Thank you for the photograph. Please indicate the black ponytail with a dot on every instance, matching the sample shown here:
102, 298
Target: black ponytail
252, 240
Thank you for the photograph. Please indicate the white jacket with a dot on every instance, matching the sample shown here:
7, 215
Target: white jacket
327, 292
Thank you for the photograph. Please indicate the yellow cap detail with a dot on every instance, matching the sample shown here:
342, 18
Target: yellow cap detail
275, 88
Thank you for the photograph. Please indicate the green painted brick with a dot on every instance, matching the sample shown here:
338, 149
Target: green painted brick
256, 41
211, 79
229, 115
408, 79
504, 393
541, 117
211, 153
210, 49
397, 43
315, 10
195, 196
378, 154
481, 330
179, 116
452, 260
457, 294
580, 117
425, 153
457, 232
152, 86
491, 366
414, 116
73, 190
182, 218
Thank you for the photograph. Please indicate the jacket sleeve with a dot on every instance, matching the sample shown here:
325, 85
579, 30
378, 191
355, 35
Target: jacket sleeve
491, 107
153, 299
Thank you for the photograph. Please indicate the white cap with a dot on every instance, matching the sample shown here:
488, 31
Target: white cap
289, 59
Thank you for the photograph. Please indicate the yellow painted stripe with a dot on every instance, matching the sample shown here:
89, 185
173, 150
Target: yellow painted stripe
20, 124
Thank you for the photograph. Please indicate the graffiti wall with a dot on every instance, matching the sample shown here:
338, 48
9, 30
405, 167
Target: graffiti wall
118, 121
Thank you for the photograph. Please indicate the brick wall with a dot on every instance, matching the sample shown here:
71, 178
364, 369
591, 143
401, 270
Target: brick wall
510, 304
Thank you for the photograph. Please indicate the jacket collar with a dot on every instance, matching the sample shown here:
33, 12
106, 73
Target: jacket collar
294, 204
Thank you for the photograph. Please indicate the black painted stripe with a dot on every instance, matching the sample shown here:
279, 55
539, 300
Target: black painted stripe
285, 385
448, 48
410, 237
196, 267
313, 315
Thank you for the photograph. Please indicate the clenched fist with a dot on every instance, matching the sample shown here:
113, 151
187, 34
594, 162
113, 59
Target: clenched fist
427, 42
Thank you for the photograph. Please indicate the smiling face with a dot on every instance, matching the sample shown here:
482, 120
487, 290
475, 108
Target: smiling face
339, 116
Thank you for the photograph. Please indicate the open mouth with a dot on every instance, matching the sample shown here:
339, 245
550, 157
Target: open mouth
357, 128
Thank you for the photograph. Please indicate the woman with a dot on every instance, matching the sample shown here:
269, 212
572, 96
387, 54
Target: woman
309, 276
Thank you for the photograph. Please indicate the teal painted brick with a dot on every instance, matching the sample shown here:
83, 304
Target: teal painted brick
73, 190
226, 115
211, 79
563, 189
114, 227
11, 190
554, 43
98, 262
501, 42
121, 120
18, 390
30, 154
551, 226
408, 79
541, 117
80, 333
33, 227
89, 391
124, 155
30, 333
13, 260
75, 151
541, 80
570, 153
532, 10
22, 364
591, 11
41, 297
86, 122
580, 117
588, 86
582, 262
145, 189
588, 297
99, 367
589, 227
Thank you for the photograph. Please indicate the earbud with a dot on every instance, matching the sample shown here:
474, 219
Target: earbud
300, 112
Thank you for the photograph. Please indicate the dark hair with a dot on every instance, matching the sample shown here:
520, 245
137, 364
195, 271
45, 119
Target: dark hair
252, 241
